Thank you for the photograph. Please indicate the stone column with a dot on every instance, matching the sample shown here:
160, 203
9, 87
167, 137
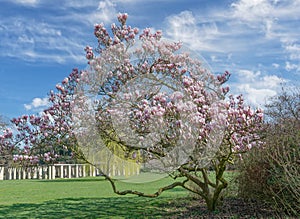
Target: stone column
76, 171
79, 170
61, 171
14, 176
91, 170
35, 172
69, 171
25, 173
45, 172
19, 171
8, 173
124, 171
50, 172
1, 172
53, 172
15, 173
40, 172
83, 170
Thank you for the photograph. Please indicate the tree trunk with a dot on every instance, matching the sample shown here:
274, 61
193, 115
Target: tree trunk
211, 204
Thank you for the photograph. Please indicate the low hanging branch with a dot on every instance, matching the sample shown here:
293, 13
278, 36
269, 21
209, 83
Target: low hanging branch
138, 193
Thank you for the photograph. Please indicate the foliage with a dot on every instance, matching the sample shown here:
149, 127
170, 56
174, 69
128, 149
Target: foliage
272, 174
151, 98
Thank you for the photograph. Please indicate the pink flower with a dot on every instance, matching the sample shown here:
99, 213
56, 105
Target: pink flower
65, 81
177, 95
122, 18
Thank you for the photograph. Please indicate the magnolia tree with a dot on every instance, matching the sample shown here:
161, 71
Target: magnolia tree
48, 137
7, 147
149, 101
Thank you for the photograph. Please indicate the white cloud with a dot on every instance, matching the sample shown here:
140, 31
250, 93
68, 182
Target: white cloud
98, 11
37, 103
27, 2
41, 41
25, 39
256, 87
79, 4
257, 14
252, 11
57, 39
186, 28
289, 66
94, 3
256, 96
248, 75
247, 34
276, 19
106, 12
215, 58
293, 48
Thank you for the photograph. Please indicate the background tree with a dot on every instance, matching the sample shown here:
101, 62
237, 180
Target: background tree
151, 98
7, 147
48, 137
3, 122
285, 106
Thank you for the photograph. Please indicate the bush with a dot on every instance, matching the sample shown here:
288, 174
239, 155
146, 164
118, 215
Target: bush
272, 174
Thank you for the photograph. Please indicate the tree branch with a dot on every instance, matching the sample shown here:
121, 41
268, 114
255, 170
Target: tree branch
138, 193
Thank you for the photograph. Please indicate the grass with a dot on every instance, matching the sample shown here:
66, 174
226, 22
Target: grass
81, 198
94, 198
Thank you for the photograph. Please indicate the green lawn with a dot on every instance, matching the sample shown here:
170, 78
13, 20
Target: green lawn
83, 198
94, 198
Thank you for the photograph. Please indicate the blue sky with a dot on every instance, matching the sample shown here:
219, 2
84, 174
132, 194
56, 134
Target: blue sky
258, 41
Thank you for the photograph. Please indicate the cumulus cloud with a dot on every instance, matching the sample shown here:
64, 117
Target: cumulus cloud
256, 87
253, 11
292, 47
246, 34
37, 103
291, 66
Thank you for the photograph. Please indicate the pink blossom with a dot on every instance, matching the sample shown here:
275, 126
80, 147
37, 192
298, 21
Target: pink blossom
65, 81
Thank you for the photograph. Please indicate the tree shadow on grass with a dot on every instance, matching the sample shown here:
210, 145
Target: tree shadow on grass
135, 207
115, 207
